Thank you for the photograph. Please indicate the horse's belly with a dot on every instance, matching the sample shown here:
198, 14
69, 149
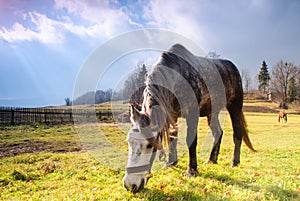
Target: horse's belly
205, 106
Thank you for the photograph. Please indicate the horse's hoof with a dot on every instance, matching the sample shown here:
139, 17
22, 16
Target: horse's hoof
169, 164
234, 164
190, 172
209, 161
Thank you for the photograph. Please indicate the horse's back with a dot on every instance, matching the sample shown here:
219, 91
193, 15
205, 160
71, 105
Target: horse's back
231, 80
218, 74
226, 69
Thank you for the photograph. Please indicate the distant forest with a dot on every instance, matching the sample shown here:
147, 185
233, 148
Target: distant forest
133, 83
97, 97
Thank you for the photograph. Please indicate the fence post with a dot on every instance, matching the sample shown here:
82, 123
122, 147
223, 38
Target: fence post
71, 117
12, 117
45, 116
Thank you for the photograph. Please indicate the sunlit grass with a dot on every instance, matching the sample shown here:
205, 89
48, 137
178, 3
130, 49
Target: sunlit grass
273, 173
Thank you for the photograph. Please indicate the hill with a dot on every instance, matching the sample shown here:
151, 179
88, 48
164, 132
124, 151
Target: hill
267, 107
97, 97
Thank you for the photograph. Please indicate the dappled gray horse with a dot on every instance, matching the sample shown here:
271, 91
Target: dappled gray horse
183, 85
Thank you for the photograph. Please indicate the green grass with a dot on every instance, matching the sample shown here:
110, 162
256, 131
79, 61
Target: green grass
115, 106
271, 174
38, 138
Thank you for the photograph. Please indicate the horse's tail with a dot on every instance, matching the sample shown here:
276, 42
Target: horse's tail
246, 138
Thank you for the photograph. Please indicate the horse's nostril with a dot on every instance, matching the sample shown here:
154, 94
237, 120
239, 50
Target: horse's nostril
134, 188
126, 186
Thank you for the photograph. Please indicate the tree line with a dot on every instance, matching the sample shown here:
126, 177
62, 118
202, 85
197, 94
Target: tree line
284, 81
132, 89
100, 96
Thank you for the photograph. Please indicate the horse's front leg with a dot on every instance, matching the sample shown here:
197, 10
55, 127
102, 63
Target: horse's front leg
173, 159
191, 140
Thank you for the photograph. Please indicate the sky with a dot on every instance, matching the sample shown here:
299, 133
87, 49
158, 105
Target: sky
43, 44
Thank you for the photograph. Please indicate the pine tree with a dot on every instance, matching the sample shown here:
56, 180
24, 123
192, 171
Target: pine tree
292, 89
263, 77
142, 74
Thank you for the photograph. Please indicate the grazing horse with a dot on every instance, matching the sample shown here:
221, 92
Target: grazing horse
282, 115
183, 85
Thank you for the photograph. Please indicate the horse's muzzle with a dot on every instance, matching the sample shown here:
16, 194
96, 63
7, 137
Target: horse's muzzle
134, 187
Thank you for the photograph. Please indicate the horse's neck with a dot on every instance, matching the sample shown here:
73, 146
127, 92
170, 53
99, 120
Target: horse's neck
155, 111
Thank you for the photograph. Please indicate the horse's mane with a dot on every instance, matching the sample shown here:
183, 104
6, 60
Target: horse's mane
160, 89
158, 100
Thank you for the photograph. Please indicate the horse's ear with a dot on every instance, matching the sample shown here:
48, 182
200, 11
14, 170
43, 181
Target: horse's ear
134, 113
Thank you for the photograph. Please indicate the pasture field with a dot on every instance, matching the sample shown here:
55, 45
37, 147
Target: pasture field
58, 168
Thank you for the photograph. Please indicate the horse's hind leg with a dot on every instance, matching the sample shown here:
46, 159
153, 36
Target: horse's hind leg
217, 133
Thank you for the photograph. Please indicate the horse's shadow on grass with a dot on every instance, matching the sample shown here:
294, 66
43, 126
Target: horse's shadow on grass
276, 191
157, 194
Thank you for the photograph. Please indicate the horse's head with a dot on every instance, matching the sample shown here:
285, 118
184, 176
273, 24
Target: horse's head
143, 144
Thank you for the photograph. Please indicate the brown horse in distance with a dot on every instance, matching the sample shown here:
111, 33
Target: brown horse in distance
282, 115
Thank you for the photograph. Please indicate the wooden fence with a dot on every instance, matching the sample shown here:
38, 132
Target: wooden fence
17, 116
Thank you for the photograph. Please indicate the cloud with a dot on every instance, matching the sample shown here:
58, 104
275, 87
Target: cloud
44, 30
82, 18
178, 16
106, 18
102, 20
92, 11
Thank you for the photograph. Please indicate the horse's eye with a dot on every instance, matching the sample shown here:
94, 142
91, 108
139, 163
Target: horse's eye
149, 146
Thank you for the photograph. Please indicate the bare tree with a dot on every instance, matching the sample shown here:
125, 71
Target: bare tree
246, 79
68, 101
213, 55
282, 73
134, 85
